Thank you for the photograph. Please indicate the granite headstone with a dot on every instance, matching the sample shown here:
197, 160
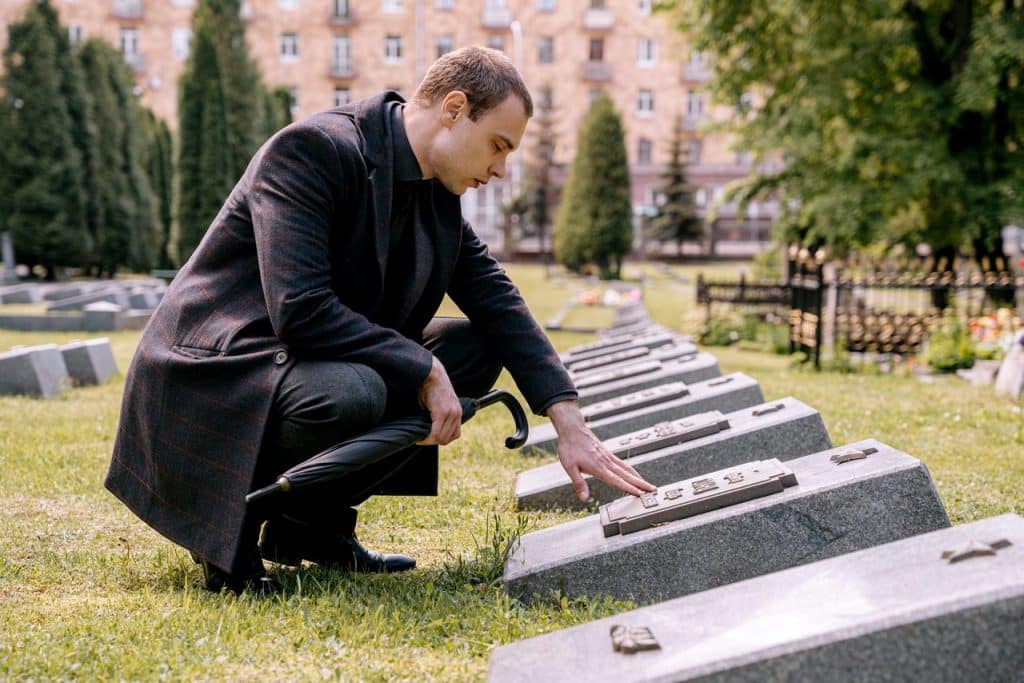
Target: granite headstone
34, 371
89, 362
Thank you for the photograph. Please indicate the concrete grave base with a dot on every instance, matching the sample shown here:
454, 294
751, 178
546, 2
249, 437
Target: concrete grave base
89, 362
33, 371
837, 506
902, 611
758, 433
726, 394
644, 375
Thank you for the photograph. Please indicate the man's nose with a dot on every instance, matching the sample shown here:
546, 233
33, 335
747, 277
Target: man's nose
498, 169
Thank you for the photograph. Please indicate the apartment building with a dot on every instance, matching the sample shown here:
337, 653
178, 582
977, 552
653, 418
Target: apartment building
329, 52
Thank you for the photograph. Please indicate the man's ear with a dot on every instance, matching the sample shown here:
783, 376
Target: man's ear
453, 105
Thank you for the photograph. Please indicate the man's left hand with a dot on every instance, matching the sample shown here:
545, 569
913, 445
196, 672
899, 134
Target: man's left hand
583, 453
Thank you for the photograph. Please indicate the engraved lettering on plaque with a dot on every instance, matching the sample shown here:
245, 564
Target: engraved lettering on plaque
973, 549
704, 485
720, 381
694, 496
614, 375
629, 640
649, 500
758, 412
668, 434
610, 359
635, 401
852, 454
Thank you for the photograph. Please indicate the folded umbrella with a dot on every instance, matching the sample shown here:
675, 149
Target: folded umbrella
380, 442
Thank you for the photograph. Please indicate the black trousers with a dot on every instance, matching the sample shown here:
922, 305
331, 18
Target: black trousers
320, 403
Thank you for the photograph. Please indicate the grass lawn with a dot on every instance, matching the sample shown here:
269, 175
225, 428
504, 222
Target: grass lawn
88, 592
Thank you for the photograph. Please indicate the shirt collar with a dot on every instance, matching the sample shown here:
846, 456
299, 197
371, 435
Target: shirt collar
407, 168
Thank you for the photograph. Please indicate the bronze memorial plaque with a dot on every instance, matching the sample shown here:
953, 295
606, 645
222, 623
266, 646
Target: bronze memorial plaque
694, 496
668, 434
615, 375
610, 359
635, 401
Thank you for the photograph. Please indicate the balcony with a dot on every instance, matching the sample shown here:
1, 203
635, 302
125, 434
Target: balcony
695, 73
245, 10
496, 17
127, 9
136, 62
692, 121
598, 20
342, 19
597, 71
343, 71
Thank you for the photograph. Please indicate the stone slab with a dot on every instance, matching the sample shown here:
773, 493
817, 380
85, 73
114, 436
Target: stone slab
33, 371
101, 316
112, 294
43, 323
726, 394
27, 293
1010, 377
630, 355
895, 612
614, 345
639, 376
835, 508
761, 432
644, 327
89, 362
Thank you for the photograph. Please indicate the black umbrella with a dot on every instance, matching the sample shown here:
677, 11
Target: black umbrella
380, 442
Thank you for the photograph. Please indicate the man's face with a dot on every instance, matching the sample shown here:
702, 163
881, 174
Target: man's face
470, 153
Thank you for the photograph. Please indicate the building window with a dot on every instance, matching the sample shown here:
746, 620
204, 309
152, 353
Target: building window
293, 97
596, 4
181, 42
391, 5
546, 98
129, 41
341, 97
694, 104
645, 52
593, 94
701, 196
444, 45
644, 6
496, 42
546, 5
446, 5
340, 9
341, 54
392, 48
742, 157
289, 46
288, 5
693, 149
697, 59
645, 102
596, 49
644, 149
745, 102
75, 34
545, 49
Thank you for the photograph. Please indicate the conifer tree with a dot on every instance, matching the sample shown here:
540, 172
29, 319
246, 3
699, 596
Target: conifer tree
594, 223
677, 218
159, 166
43, 206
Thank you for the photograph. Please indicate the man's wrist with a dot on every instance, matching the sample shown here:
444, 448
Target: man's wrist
565, 414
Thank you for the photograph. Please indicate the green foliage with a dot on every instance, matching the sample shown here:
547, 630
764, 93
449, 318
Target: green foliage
42, 174
595, 220
950, 346
159, 165
225, 114
677, 218
896, 121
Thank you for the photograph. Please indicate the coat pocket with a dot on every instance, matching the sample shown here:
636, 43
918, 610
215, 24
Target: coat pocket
196, 352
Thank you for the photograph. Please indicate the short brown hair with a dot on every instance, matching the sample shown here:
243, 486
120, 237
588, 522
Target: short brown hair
487, 77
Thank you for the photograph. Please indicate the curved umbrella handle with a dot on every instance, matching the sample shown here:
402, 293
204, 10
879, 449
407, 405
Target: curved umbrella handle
518, 415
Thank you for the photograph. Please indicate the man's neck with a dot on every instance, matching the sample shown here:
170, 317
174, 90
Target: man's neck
420, 128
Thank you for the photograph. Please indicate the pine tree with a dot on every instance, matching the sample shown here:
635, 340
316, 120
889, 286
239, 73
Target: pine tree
677, 218
158, 163
540, 190
595, 220
43, 202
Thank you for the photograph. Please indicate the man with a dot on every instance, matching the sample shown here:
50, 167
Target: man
304, 317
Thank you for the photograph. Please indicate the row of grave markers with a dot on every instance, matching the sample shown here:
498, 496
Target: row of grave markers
766, 553
47, 369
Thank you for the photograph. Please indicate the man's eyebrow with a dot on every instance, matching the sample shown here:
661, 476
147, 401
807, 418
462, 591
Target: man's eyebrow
508, 142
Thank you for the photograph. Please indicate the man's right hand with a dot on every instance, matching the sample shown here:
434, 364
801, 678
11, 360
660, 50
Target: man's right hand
437, 395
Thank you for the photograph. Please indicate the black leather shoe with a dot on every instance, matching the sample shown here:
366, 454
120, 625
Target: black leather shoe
254, 580
289, 543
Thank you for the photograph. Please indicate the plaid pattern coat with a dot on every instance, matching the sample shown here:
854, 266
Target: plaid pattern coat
293, 267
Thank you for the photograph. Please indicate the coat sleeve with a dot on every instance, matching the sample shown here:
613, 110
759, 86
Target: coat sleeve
483, 291
299, 188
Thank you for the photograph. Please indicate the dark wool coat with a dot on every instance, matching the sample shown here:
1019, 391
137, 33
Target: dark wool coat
293, 267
